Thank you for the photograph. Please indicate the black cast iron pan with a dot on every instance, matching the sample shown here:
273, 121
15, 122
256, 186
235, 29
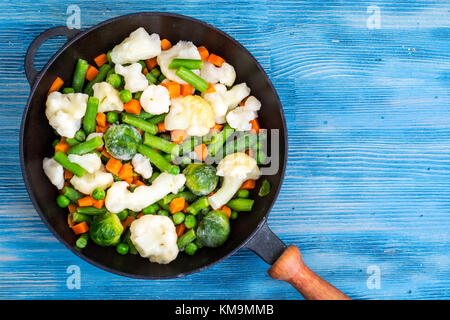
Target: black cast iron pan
250, 231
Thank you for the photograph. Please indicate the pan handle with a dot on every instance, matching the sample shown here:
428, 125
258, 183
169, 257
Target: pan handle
30, 70
287, 265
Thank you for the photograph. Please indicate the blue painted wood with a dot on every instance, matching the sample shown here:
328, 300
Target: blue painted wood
368, 179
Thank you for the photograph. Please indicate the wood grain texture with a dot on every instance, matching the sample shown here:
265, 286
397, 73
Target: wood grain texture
368, 179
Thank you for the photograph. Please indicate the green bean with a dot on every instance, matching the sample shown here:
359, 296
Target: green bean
186, 238
160, 144
154, 176
187, 195
82, 241
101, 75
198, 205
187, 63
72, 194
122, 214
158, 160
89, 116
86, 146
108, 56
161, 78
191, 249
155, 72
240, 204
151, 78
261, 157
243, 193
145, 115
220, 140
79, 75
91, 211
157, 119
189, 144
139, 123
193, 79
63, 160
68, 90
151, 209
72, 141
234, 215
138, 95
265, 188
78, 217
243, 142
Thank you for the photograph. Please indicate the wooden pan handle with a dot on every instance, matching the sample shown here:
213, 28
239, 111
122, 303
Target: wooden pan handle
290, 268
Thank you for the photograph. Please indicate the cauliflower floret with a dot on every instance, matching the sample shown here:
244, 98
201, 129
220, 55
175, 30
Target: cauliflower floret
155, 238
224, 74
119, 197
93, 135
54, 172
139, 45
135, 80
89, 181
142, 166
109, 98
182, 50
191, 113
240, 117
155, 99
236, 94
91, 162
65, 111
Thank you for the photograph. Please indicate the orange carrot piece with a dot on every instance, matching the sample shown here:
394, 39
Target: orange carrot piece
69, 221
179, 229
151, 63
139, 215
215, 60
174, 89
86, 201
101, 60
248, 184
81, 227
161, 127
67, 174
211, 88
202, 151
133, 106
113, 166
91, 73
139, 183
178, 136
72, 207
204, 53
145, 71
177, 205
255, 125
226, 210
62, 146
105, 153
100, 129
186, 205
126, 172
56, 85
99, 203
165, 44
217, 127
127, 222
100, 118
186, 90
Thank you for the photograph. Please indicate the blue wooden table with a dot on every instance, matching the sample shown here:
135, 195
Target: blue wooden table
365, 90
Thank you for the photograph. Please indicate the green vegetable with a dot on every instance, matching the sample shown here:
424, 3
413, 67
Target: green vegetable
139, 123
197, 82
243, 193
122, 214
155, 72
163, 213
91, 211
63, 160
190, 221
102, 71
89, 116
201, 178
198, 205
72, 194
125, 95
161, 78
98, 194
154, 176
214, 229
80, 135
189, 144
158, 160
72, 141
82, 241
108, 56
198, 244
122, 248
234, 215
187, 63
220, 140
157, 119
68, 90
151, 78
151, 209
106, 229
178, 218
122, 141
112, 117
87, 146
55, 142
143, 65
132, 248
191, 249
114, 80
265, 188
138, 95
79, 217
240, 204
79, 75
145, 115
62, 201
160, 144
185, 239
188, 197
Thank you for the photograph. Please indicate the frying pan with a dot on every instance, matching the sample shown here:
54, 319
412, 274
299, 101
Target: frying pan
250, 231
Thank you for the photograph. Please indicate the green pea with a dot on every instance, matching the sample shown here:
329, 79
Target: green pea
243, 193
122, 248
112, 117
55, 142
108, 56
80, 136
163, 213
114, 80
178, 217
62, 201
82, 241
68, 90
98, 194
125, 95
234, 215
191, 248
122, 214
190, 221
151, 209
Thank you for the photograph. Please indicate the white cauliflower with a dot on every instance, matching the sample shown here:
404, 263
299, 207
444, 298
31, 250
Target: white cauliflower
54, 172
235, 168
155, 238
91, 162
182, 50
89, 181
139, 45
119, 197
93, 135
135, 80
142, 166
236, 94
65, 111
109, 98
191, 113
155, 99
240, 117
224, 74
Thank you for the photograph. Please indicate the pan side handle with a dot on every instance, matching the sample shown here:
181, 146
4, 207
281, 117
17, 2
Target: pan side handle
287, 265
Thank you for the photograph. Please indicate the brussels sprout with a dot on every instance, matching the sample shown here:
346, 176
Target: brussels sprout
106, 229
214, 229
122, 140
201, 178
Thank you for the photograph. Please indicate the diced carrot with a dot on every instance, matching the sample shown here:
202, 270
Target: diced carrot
242, 103
210, 194
226, 210
202, 151
177, 205
255, 125
250, 152
67, 174
126, 172
178, 136
186, 205
179, 229
151, 63
204, 53
128, 180
215, 60
72, 207
105, 153
217, 127
145, 71
186, 90
127, 222
133, 106
248, 184
139, 183
101, 119
174, 89
139, 215
101, 60
69, 221
211, 88
113, 166
99, 203
161, 127
81, 227
91, 73
165, 44
62, 146
86, 202
56, 85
